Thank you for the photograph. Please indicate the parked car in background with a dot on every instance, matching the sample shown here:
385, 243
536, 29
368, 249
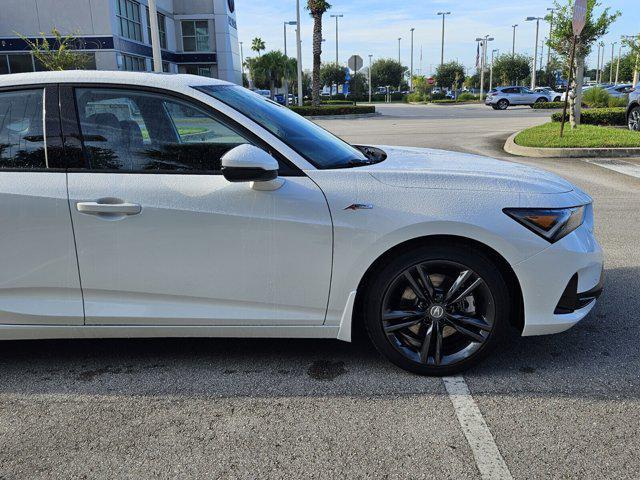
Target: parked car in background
633, 110
144, 205
549, 93
279, 97
501, 98
619, 91
264, 93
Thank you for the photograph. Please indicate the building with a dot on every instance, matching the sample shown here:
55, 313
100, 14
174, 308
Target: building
196, 36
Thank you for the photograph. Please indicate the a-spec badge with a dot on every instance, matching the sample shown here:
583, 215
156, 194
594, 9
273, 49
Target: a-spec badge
359, 206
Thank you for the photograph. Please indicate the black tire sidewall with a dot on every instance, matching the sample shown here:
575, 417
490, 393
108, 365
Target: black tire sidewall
463, 254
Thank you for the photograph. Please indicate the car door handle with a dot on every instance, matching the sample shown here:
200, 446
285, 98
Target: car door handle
97, 208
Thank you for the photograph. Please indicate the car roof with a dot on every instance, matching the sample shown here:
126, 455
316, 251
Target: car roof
159, 80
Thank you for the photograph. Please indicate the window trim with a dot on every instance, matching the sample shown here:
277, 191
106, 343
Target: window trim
122, 17
195, 35
52, 128
71, 129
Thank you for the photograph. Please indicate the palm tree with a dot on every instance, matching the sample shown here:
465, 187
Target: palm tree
317, 8
257, 45
270, 68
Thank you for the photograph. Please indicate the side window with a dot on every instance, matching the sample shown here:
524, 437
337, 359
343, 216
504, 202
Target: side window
134, 131
22, 143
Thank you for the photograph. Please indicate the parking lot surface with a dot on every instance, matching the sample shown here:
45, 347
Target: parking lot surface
563, 406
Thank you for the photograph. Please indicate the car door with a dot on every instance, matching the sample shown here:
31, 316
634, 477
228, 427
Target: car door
164, 239
39, 281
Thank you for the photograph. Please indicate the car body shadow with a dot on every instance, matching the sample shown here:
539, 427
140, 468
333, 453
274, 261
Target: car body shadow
597, 358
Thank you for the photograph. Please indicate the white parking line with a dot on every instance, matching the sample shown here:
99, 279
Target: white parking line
620, 166
485, 451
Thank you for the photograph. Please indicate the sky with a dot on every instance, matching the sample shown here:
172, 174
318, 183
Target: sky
374, 26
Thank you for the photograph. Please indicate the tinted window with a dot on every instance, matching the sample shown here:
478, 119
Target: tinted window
21, 130
320, 147
139, 132
511, 90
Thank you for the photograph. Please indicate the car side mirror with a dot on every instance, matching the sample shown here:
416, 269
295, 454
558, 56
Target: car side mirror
248, 163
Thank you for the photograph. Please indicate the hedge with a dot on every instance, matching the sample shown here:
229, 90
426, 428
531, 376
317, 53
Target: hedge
337, 102
334, 110
547, 105
599, 116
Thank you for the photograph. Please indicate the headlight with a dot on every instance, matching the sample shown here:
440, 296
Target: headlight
552, 224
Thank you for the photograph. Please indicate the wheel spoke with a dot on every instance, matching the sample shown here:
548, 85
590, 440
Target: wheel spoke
438, 354
466, 291
466, 332
426, 345
464, 275
400, 326
426, 281
415, 287
392, 315
474, 322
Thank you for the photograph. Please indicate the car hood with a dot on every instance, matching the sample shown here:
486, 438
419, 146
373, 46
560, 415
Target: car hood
440, 169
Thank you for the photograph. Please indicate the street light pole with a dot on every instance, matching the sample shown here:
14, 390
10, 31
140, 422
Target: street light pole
618, 65
535, 54
483, 62
241, 58
411, 68
370, 57
299, 53
613, 53
444, 14
400, 62
551, 11
286, 70
155, 37
340, 15
491, 70
513, 47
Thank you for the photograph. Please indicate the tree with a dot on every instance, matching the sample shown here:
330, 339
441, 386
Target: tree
359, 84
258, 45
60, 54
634, 44
625, 73
450, 74
317, 8
386, 72
332, 74
510, 69
561, 40
269, 69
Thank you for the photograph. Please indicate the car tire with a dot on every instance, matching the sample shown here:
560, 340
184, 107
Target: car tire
557, 99
458, 339
494, 107
539, 100
633, 120
503, 104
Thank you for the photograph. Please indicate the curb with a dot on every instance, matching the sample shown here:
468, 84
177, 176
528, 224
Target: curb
351, 116
538, 152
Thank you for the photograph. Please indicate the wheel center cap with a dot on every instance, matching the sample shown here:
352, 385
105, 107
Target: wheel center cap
436, 312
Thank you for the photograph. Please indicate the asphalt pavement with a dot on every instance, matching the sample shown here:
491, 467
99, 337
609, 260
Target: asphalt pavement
563, 406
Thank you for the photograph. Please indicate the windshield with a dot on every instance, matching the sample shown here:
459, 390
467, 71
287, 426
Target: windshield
315, 144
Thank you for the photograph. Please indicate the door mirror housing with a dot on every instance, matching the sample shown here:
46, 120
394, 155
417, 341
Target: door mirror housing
248, 163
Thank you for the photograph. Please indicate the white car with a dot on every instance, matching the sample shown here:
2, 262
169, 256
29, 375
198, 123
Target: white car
153, 205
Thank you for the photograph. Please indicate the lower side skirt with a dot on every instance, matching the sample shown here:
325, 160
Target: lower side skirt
42, 332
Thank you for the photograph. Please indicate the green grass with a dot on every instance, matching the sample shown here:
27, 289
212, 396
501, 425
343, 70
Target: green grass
585, 136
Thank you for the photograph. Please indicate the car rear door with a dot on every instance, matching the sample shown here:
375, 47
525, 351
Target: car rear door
164, 239
39, 282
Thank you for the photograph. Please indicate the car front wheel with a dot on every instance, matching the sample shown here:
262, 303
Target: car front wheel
437, 310
503, 104
634, 119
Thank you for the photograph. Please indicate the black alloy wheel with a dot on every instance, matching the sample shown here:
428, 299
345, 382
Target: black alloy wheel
438, 313
634, 119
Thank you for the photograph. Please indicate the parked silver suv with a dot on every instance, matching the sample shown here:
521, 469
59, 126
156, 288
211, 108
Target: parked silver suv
633, 111
501, 98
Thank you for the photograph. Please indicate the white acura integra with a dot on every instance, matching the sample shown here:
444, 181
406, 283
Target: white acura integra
145, 205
